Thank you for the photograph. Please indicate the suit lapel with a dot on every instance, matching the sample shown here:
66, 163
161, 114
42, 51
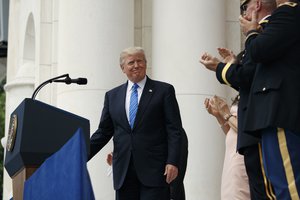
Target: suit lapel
122, 97
144, 101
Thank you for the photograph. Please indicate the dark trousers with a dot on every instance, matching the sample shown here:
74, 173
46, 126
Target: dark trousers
133, 189
177, 190
260, 186
281, 156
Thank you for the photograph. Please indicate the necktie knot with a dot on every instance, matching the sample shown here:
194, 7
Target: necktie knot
135, 87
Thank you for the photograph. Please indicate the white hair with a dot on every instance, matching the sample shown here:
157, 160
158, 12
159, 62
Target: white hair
131, 51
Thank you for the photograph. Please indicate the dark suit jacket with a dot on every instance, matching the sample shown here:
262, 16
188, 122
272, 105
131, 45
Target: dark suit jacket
240, 76
177, 187
155, 139
275, 98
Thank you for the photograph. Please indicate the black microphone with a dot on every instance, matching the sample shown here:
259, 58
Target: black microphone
68, 80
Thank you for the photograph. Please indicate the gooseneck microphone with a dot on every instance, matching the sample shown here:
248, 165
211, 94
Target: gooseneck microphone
67, 80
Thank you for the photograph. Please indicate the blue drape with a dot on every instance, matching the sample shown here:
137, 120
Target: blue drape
63, 176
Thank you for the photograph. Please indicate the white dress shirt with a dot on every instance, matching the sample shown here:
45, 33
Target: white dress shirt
140, 89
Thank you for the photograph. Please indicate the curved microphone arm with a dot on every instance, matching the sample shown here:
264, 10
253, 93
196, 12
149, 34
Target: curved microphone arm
45, 83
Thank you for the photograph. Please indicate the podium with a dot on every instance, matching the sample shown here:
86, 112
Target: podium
36, 131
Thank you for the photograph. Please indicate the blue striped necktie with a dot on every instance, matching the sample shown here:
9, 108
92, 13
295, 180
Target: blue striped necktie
133, 106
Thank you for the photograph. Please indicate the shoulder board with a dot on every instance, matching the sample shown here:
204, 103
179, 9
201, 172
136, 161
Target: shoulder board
264, 21
291, 4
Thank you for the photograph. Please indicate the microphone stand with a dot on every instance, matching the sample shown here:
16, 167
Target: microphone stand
46, 82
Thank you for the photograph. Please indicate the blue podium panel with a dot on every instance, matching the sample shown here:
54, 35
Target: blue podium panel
62, 176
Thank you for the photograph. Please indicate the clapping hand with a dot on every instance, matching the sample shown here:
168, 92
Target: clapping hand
209, 61
216, 106
227, 55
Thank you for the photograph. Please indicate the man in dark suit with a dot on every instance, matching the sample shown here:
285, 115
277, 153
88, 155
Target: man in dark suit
239, 75
143, 118
177, 186
274, 102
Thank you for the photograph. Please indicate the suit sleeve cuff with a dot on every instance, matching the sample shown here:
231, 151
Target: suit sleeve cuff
221, 72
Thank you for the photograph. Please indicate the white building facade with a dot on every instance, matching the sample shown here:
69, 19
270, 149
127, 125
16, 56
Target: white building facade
48, 38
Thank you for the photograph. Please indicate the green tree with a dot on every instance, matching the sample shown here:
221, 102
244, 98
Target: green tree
2, 123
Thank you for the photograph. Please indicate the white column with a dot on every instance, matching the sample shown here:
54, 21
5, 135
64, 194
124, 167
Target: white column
91, 35
21, 64
46, 66
16, 90
182, 30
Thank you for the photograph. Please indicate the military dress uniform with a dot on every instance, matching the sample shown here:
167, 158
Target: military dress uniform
273, 111
240, 76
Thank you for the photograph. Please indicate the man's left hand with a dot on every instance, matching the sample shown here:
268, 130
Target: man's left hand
171, 172
209, 61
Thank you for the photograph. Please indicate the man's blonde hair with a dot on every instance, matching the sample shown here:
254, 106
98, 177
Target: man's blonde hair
131, 51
